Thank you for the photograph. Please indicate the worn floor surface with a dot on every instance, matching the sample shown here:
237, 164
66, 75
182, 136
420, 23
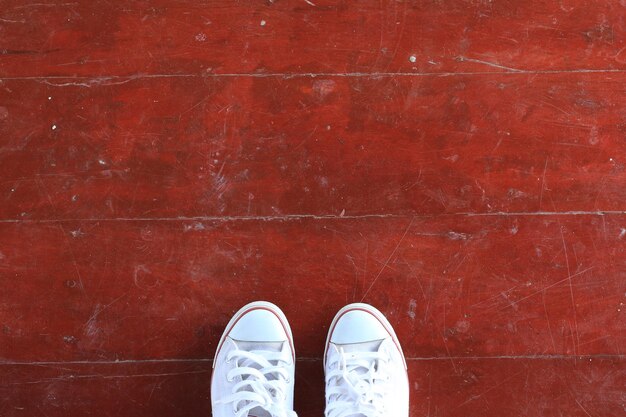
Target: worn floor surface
459, 164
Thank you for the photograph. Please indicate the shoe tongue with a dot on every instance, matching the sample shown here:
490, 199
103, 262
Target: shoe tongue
259, 412
260, 346
257, 346
372, 346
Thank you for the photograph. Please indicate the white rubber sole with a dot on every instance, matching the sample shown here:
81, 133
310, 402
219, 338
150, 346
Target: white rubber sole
256, 305
371, 310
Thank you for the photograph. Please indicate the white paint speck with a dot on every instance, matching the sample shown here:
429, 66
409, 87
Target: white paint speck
49, 98
462, 326
101, 162
54, 127
195, 226
593, 136
413, 58
622, 232
201, 37
412, 306
263, 22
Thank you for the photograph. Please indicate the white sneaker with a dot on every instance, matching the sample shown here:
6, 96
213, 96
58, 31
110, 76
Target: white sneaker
365, 369
253, 369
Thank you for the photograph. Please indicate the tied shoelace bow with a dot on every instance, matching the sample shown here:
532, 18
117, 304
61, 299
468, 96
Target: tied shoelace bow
356, 385
262, 383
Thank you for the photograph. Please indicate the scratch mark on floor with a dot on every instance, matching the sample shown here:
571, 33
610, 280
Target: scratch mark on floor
43, 189
100, 376
208, 96
445, 342
92, 82
11, 21
413, 303
571, 289
569, 277
491, 64
152, 392
74, 262
543, 182
600, 189
545, 310
367, 249
388, 259
475, 397
582, 408
45, 5
89, 326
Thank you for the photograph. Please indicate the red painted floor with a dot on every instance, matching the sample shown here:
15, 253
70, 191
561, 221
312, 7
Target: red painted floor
458, 164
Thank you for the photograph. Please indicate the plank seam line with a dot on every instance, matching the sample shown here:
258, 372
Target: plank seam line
316, 359
315, 217
120, 79
546, 213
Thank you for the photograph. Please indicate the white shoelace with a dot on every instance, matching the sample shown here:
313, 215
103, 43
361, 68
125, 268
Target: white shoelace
356, 385
262, 383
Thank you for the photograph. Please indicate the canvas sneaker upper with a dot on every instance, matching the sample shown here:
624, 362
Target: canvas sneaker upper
253, 369
365, 369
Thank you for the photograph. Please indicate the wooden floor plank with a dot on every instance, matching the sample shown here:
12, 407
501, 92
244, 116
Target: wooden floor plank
90, 38
577, 387
171, 147
458, 164
453, 286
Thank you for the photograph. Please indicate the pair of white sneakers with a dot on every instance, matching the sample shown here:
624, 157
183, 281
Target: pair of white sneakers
253, 369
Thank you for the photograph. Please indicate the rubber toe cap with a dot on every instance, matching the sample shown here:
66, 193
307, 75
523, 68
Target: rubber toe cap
358, 326
259, 325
